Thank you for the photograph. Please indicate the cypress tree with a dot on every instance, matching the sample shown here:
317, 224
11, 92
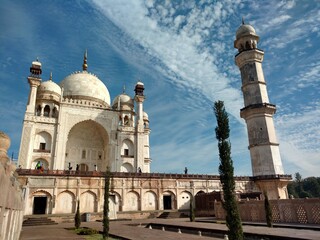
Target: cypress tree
77, 217
106, 205
268, 211
222, 130
191, 211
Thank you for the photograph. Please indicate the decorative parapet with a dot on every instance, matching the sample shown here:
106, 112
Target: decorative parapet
301, 211
86, 102
35, 172
40, 119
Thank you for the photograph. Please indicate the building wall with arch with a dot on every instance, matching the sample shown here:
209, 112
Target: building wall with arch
73, 127
127, 194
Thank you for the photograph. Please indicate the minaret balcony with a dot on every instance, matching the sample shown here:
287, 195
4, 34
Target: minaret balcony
272, 176
258, 109
244, 57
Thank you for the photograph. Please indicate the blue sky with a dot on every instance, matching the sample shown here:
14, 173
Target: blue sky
183, 52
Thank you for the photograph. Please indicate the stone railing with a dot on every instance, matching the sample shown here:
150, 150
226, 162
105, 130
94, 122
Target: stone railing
303, 211
35, 172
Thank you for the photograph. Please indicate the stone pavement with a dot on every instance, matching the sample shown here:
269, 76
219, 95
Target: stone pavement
133, 230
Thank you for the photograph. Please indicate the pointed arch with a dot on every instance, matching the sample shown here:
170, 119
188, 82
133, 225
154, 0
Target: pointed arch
150, 200
65, 202
41, 202
87, 143
43, 142
131, 201
127, 148
126, 167
184, 200
88, 202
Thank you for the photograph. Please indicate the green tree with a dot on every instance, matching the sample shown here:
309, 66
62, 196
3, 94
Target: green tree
268, 211
77, 217
191, 213
106, 205
226, 170
311, 186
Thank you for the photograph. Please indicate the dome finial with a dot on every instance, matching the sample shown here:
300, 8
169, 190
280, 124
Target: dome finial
242, 20
85, 65
124, 88
50, 76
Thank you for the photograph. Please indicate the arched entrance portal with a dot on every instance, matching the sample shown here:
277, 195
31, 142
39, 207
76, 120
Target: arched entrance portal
40, 205
168, 200
41, 200
86, 148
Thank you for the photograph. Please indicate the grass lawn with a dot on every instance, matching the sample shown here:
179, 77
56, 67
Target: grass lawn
96, 237
89, 233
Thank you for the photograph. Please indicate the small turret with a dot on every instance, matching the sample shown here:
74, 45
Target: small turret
35, 69
246, 38
34, 81
139, 89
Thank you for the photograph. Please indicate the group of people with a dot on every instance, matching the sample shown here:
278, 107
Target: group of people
39, 166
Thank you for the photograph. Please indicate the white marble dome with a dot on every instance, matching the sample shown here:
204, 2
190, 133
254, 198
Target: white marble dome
85, 85
124, 99
49, 86
245, 29
145, 116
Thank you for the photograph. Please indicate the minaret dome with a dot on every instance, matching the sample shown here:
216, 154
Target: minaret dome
246, 38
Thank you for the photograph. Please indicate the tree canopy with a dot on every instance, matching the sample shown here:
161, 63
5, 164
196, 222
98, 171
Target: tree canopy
302, 188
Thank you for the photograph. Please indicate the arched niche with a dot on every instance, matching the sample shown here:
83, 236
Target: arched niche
87, 144
43, 141
44, 163
126, 167
184, 200
131, 202
149, 201
127, 148
65, 202
88, 202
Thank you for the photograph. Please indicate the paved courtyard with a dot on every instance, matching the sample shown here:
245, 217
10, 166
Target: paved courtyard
136, 230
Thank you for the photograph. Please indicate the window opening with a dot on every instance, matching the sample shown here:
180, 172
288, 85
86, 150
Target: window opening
46, 111
42, 146
126, 152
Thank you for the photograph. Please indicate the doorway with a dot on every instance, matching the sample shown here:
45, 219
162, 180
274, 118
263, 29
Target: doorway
39, 205
167, 202
83, 167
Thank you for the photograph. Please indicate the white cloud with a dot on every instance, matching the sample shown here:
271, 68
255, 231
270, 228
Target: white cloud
299, 139
179, 50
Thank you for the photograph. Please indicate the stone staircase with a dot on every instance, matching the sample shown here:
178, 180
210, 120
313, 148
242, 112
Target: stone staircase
173, 214
31, 221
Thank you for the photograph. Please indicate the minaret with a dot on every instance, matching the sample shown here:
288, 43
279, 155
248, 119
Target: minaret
139, 98
258, 113
34, 80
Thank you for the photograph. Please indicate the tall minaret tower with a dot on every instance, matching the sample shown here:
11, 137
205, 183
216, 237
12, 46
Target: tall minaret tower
258, 113
139, 98
34, 80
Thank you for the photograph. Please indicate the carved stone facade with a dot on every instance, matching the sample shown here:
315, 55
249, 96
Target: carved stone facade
74, 125
302, 211
56, 192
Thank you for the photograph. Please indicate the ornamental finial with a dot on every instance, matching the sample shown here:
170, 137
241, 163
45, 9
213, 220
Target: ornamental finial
85, 65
